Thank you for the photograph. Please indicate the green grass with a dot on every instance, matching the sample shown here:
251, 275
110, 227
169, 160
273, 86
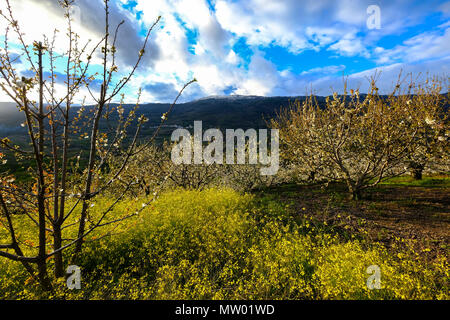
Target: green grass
427, 181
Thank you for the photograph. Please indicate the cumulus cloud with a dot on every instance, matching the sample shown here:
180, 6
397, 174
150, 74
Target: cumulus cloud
350, 46
198, 38
427, 45
160, 91
261, 79
312, 24
88, 22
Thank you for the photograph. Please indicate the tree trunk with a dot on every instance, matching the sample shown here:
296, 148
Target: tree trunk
41, 197
354, 190
416, 170
311, 176
356, 195
417, 174
58, 258
90, 173
44, 280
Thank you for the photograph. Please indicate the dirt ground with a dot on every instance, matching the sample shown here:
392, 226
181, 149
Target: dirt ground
387, 213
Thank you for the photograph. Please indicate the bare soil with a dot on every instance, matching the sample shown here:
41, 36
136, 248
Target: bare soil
419, 215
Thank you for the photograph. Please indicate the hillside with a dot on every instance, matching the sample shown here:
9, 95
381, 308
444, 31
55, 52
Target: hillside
214, 111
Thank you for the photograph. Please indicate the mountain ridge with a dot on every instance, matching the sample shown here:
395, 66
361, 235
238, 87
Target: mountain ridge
215, 111
233, 111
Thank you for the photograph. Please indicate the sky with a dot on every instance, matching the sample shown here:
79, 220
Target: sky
253, 47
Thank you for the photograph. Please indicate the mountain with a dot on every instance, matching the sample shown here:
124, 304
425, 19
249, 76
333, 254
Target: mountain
214, 111
10, 117
221, 111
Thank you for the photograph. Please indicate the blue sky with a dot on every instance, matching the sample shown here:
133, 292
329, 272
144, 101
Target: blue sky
262, 47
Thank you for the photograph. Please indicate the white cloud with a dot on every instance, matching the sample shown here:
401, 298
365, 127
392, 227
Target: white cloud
425, 46
196, 38
445, 8
350, 46
261, 79
262, 23
43, 17
388, 76
324, 70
